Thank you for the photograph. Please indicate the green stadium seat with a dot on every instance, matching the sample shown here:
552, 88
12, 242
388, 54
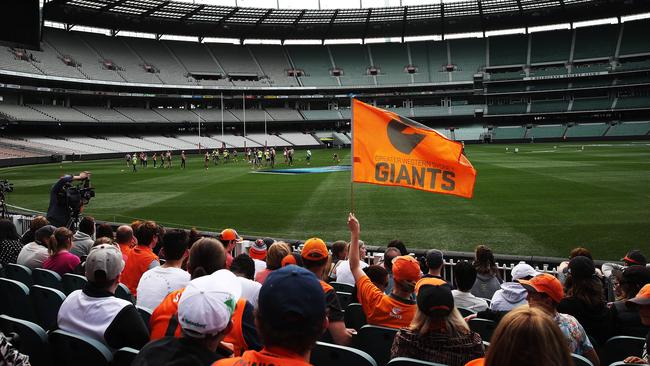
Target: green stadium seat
632, 65
483, 327
145, 314
345, 298
590, 82
514, 108
636, 128
20, 306
580, 360
548, 85
123, 292
633, 103
355, 318
469, 57
326, 354
390, 58
124, 356
508, 50
548, 71
354, 61
592, 104
496, 75
430, 111
619, 347
595, 42
587, 130
72, 282
436, 53
72, 349
46, 302
546, 131
635, 38
550, 46
19, 273
508, 132
405, 361
376, 341
425, 66
32, 339
342, 287
549, 106
47, 278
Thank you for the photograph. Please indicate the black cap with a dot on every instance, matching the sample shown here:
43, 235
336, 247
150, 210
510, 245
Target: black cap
637, 275
635, 257
581, 267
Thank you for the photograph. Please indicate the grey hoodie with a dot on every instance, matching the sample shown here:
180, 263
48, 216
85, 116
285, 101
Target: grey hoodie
81, 244
511, 295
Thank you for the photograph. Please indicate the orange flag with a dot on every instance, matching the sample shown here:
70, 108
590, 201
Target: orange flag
391, 150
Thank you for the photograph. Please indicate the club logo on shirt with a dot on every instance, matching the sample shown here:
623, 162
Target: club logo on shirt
396, 313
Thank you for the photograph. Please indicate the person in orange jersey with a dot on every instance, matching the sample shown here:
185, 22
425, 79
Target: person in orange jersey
291, 316
395, 310
315, 257
526, 336
229, 238
141, 258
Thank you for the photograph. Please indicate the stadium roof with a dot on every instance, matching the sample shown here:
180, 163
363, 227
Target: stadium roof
442, 17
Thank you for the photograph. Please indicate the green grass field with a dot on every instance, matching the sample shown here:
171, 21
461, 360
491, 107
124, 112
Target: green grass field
544, 200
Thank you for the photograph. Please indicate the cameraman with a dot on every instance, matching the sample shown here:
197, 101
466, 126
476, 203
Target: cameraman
57, 213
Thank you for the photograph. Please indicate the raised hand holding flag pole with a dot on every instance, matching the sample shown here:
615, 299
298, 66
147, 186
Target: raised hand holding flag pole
391, 150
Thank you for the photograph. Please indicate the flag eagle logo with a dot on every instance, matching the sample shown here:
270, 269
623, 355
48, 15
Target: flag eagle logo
404, 143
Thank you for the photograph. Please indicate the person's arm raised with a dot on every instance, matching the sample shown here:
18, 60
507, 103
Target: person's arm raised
353, 256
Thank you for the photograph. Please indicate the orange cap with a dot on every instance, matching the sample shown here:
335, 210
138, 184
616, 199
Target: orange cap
288, 259
547, 284
314, 250
642, 297
229, 235
406, 268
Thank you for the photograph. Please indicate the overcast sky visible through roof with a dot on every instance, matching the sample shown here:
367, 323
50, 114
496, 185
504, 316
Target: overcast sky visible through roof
316, 4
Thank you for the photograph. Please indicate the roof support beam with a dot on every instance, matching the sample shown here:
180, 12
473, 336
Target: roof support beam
329, 27
110, 6
442, 20
192, 13
365, 29
480, 12
227, 16
404, 23
154, 9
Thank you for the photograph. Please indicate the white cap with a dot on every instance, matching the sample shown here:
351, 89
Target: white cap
207, 304
522, 270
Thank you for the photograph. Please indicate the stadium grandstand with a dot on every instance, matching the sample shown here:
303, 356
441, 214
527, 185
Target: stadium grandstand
204, 80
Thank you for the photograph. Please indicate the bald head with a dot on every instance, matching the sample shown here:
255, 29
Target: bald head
124, 234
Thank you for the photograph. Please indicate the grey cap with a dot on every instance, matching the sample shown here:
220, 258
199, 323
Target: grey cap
434, 258
106, 258
44, 231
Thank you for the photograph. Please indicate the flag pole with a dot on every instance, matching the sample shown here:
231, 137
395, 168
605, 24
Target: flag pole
352, 155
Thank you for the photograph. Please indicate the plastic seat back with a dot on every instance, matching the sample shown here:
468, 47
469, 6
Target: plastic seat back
15, 300
483, 327
345, 298
376, 341
46, 302
465, 312
343, 287
405, 361
355, 318
47, 278
145, 314
19, 273
72, 282
620, 347
123, 292
124, 356
73, 349
33, 340
580, 360
326, 354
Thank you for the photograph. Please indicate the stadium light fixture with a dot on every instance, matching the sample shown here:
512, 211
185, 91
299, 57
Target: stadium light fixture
635, 17
383, 40
464, 35
172, 37
344, 41
504, 32
546, 28
221, 40
303, 42
434, 37
262, 41
591, 23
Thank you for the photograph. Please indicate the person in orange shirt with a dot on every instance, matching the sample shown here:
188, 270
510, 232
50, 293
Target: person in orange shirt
395, 310
315, 258
206, 256
229, 238
141, 258
291, 316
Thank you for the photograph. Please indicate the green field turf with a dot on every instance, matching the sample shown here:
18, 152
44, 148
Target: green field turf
544, 200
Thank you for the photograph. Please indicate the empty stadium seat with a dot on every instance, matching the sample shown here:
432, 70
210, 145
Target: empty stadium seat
405, 361
20, 306
72, 349
355, 318
620, 347
72, 282
47, 278
145, 314
123, 292
326, 354
483, 327
32, 339
124, 356
19, 273
46, 302
580, 360
376, 341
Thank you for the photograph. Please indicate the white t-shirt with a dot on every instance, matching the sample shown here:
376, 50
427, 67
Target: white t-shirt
344, 274
259, 266
32, 255
468, 301
250, 290
157, 283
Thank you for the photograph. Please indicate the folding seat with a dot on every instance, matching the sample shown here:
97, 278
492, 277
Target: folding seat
405, 361
123, 292
355, 318
124, 356
73, 349
580, 360
32, 339
465, 312
345, 298
19, 273
19, 305
343, 287
326, 354
72, 282
46, 302
47, 278
483, 327
619, 347
376, 341
145, 314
